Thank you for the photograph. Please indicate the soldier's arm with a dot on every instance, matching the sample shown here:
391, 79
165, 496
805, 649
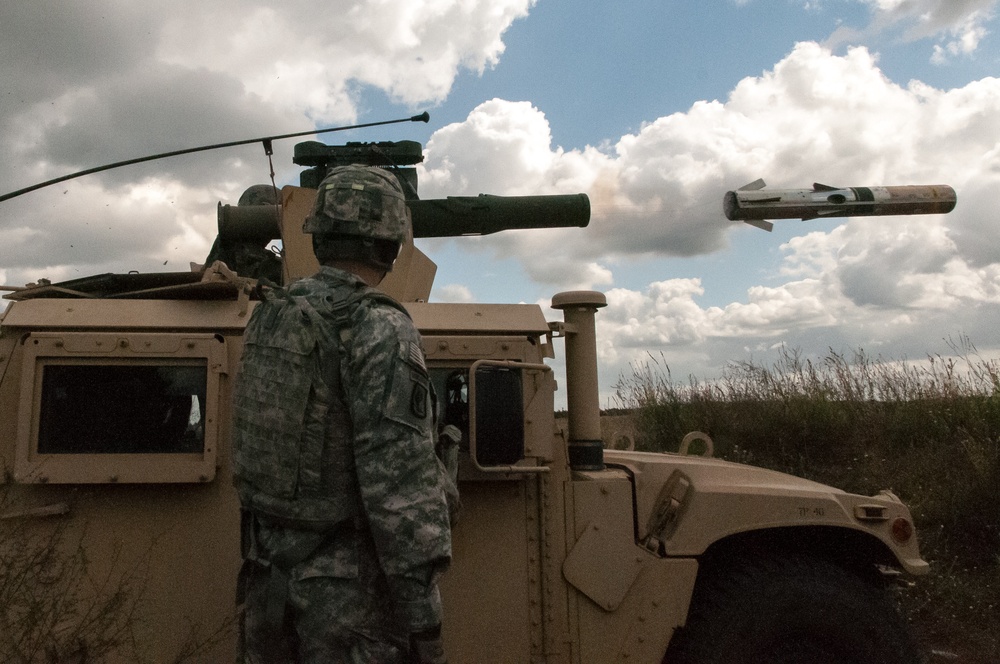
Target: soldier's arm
405, 505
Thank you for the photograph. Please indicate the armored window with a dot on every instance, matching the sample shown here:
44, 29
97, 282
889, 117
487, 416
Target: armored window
122, 409
111, 408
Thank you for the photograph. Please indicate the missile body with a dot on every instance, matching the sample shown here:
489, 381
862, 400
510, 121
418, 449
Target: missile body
754, 204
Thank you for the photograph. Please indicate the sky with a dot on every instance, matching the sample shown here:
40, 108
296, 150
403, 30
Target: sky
654, 108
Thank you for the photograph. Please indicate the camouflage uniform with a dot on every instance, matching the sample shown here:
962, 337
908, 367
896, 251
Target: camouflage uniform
368, 582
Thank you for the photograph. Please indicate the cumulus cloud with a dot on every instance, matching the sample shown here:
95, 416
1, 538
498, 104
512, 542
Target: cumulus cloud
815, 116
958, 25
962, 40
933, 16
862, 285
92, 83
411, 50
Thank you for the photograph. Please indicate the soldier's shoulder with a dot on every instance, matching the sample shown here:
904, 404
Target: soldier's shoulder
307, 286
378, 326
381, 311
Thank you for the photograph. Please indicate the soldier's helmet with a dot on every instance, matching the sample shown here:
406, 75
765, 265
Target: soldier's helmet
259, 194
360, 202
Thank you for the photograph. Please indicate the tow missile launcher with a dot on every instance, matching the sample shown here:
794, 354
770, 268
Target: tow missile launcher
115, 439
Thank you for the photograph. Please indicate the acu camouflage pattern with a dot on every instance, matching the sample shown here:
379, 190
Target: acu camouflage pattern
291, 436
339, 607
372, 580
360, 201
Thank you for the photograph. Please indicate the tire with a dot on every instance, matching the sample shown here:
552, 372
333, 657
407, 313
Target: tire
790, 610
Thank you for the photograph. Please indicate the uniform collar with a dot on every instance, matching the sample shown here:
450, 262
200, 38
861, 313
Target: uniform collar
336, 276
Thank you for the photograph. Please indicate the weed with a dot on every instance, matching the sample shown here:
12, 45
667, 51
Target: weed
928, 430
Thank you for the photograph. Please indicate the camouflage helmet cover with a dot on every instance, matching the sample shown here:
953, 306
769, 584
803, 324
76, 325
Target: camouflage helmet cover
360, 201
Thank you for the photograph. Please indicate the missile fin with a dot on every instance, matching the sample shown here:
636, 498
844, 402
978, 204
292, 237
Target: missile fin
761, 224
824, 187
811, 215
754, 186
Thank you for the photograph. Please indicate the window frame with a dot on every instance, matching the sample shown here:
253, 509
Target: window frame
42, 349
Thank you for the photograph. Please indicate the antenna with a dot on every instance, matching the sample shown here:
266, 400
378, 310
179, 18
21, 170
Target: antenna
264, 140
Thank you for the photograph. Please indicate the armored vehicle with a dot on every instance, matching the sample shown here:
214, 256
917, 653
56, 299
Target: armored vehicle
119, 521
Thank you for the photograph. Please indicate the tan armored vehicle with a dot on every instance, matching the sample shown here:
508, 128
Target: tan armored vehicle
115, 393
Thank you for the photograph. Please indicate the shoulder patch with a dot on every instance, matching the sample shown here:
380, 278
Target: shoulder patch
419, 400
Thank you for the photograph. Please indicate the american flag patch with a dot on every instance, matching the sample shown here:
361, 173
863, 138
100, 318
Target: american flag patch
416, 354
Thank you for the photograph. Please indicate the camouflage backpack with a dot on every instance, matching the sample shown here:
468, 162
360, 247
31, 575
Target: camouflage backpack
291, 430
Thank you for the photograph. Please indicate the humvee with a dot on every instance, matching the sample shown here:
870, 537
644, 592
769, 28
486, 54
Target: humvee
115, 440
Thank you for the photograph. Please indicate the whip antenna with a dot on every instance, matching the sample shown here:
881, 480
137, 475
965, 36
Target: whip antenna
264, 140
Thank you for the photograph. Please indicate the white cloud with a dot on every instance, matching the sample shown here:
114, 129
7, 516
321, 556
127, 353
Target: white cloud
197, 73
411, 50
89, 84
965, 40
933, 15
958, 24
862, 284
814, 117
519, 158
453, 293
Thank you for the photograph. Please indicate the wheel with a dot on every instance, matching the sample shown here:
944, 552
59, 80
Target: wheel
790, 610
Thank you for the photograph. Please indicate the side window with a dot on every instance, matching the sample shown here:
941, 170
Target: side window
99, 408
122, 409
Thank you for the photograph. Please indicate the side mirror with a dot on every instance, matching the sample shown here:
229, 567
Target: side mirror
499, 416
496, 428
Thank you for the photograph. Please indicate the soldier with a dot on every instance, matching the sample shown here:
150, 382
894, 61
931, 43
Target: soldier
345, 515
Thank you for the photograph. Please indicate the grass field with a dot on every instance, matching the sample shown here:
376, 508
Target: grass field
929, 431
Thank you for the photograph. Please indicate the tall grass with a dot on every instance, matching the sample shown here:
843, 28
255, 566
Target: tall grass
928, 430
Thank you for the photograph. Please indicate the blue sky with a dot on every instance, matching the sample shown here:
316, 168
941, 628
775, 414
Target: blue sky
653, 108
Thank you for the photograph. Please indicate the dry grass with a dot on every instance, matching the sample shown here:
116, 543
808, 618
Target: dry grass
55, 610
929, 430
52, 609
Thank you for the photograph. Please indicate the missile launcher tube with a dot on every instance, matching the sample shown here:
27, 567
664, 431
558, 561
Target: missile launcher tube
454, 216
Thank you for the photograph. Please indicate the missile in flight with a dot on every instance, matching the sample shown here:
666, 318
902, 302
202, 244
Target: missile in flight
755, 205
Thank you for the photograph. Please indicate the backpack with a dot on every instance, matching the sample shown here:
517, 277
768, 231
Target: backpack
292, 434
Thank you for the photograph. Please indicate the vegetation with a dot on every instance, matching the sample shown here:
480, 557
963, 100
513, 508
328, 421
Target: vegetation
55, 608
929, 431
51, 608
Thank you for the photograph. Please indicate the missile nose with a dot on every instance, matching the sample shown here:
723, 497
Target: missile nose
731, 206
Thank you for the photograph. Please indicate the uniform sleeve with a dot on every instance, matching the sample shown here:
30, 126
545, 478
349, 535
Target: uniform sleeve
402, 490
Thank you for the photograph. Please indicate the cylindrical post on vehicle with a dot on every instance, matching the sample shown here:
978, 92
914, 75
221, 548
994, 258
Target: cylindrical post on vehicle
586, 450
